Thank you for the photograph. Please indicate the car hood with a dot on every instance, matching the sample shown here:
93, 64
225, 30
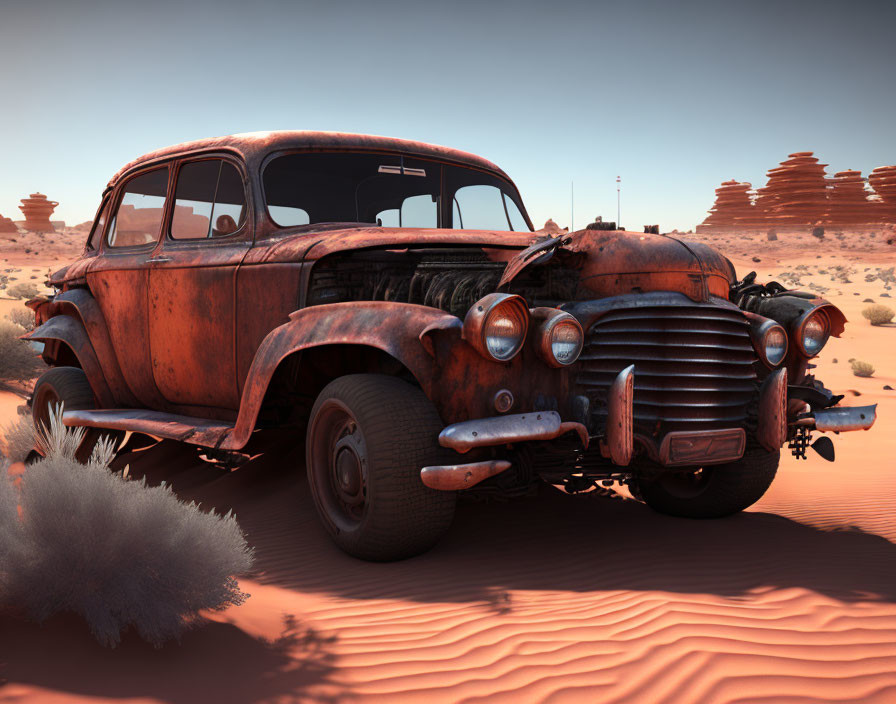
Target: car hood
609, 262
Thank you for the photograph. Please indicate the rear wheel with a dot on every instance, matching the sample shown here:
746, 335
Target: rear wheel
368, 438
710, 492
68, 387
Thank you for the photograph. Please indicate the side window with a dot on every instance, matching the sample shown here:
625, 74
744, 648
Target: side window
479, 207
93, 242
286, 216
419, 211
138, 219
517, 221
209, 200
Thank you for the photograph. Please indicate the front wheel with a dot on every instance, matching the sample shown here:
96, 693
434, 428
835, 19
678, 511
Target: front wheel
710, 492
368, 438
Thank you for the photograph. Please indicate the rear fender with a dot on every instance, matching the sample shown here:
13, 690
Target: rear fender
401, 330
81, 307
70, 331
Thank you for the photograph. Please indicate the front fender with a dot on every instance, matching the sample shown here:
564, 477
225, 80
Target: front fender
399, 329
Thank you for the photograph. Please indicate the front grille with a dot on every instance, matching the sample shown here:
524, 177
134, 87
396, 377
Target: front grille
693, 366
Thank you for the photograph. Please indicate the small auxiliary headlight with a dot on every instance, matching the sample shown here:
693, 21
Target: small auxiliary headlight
774, 343
496, 326
560, 339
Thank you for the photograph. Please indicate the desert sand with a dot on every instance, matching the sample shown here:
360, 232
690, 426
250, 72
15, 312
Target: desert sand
559, 598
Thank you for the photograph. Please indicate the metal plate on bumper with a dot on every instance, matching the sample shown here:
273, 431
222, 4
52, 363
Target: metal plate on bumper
846, 418
703, 448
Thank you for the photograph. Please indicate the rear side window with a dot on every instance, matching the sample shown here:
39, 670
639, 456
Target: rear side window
138, 219
93, 242
209, 200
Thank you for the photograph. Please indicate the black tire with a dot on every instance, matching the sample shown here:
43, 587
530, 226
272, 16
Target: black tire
67, 386
711, 492
368, 438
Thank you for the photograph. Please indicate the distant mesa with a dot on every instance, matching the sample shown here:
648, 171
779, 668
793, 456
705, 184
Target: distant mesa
37, 211
798, 196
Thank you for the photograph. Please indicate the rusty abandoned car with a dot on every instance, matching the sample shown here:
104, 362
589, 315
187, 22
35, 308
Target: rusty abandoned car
391, 300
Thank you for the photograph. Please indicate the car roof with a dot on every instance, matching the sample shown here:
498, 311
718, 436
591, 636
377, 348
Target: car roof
253, 146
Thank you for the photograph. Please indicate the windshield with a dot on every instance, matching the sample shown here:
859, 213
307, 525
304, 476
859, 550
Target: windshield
388, 190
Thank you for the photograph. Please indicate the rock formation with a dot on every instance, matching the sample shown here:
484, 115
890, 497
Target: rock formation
37, 210
733, 208
7, 225
795, 194
848, 202
883, 181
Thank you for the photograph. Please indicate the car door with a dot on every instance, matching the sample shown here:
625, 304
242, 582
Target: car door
118, 278
192, 286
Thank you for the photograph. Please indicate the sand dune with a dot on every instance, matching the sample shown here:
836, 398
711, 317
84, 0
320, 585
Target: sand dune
554, 598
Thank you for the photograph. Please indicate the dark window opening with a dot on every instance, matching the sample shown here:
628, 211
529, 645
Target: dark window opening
387, 190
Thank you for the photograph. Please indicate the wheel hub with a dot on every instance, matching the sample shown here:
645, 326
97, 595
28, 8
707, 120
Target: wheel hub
348, 468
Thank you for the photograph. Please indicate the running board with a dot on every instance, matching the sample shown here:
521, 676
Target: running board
197, 431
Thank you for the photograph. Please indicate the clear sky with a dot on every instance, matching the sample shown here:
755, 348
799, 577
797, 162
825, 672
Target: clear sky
674, 97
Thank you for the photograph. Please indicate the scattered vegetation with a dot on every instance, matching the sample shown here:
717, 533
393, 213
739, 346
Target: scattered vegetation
860, 368
18, 438
878, 314
18, 361
23, 289
23, 317
127, 555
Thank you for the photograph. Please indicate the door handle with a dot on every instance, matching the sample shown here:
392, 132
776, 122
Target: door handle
157, 260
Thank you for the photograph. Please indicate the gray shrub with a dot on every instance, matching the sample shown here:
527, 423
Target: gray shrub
116, 551
18, 360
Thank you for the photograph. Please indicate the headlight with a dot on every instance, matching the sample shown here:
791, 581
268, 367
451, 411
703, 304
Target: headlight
812, 332
769, 339
560, 339
774, 344
496, 326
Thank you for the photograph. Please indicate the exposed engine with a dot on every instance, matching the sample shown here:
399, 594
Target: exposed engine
449, 279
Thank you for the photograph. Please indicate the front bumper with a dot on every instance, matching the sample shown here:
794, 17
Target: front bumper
680, 448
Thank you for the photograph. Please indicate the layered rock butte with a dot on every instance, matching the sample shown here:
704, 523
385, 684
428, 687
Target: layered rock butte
37, 211
797, 196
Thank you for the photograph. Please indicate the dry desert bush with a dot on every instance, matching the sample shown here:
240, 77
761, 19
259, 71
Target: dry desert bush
18, 438
860, 368
126, 555
23, 289
878, 314
23, 317
18, 360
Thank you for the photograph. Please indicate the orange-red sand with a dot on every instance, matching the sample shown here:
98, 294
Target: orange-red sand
561, 599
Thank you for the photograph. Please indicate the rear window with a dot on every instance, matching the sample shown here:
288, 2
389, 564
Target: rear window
138, 218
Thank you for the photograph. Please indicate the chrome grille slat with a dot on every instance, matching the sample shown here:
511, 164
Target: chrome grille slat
693, 365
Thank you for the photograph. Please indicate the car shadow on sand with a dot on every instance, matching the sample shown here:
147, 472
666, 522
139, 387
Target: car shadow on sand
549, 542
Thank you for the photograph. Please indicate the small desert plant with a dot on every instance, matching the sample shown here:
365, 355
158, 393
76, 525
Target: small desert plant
23, 289
9, 529
116, 551
18, 438
860, 368
18, 361
878, 314
23, 317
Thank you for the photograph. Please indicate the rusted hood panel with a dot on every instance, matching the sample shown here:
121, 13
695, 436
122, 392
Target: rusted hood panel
626, 262
300, 246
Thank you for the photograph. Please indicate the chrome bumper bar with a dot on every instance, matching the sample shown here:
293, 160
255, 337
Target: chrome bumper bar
840, 420
503, 430
454, 477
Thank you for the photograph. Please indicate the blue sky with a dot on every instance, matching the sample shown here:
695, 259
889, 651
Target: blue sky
674, 97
